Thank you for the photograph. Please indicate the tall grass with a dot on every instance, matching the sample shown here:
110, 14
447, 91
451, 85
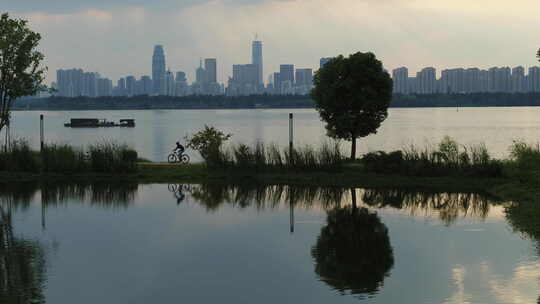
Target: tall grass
447, 158
102, 157
19, 157
262, 157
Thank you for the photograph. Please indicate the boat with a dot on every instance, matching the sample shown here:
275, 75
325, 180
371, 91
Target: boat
97, 123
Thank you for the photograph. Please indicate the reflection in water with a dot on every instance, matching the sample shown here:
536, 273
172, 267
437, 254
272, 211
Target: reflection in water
22, 263
353, 252
446, 205
109, 195
449, 206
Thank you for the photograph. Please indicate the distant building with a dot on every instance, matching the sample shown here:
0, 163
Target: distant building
210, 67
257, 60
323, 61
158, 70
200, 74
286, 75
518, 80
400, 77
304, 81
146, 85
426, 81
131, 86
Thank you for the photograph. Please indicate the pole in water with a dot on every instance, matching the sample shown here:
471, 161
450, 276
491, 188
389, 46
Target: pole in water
291, 210
41, 135
291, 134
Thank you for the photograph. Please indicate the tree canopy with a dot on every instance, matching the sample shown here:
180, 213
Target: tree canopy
352, 96
21, 73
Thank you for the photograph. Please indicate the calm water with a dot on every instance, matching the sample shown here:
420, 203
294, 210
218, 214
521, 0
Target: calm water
157, 131
208, 244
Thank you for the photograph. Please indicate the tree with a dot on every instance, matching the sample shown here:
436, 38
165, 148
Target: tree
21, 73
352, 96
208, 142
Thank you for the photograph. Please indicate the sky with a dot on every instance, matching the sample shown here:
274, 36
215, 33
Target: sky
116, 37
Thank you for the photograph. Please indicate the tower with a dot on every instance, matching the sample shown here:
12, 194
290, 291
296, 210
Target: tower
257, 59
158, 69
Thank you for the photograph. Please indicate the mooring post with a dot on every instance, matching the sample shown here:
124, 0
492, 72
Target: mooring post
41, 132
291, 133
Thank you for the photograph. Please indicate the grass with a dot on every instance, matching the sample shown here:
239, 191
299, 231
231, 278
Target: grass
101, 157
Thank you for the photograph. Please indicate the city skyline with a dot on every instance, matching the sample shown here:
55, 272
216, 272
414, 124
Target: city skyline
110, 37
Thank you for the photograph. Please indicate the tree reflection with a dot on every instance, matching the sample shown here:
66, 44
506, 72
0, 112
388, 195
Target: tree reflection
107, 195
22, 264
449, 206
353, 252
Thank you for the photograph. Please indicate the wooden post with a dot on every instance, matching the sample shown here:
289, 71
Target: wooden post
291, 133
41, 132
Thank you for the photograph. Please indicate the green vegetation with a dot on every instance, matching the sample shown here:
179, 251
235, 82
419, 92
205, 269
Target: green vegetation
352, 96
102, 157
21, 73
447, 159
261, 157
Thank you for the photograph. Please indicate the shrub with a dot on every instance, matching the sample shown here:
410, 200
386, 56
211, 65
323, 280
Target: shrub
208, 142
111, 157
19, 157
63, 158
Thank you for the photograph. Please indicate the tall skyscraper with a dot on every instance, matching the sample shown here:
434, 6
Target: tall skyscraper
257, 59
210, 67
200, 74
158, 70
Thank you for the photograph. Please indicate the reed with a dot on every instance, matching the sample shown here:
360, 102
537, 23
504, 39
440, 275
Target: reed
271, 157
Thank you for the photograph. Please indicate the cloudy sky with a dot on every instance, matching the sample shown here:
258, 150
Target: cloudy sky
116, 37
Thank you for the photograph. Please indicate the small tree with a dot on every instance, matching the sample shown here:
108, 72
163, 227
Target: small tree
20, 71
352, 96
208, 143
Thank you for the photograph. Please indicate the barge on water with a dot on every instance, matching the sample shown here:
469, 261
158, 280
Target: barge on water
97, 123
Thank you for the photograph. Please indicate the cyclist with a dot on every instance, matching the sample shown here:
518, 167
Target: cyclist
179, 149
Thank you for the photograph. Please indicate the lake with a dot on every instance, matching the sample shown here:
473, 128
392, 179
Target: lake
158, 130
129, 243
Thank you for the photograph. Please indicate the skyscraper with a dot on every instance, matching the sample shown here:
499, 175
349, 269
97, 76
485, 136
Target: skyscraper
286, 74
158, 69
257, 59
200, 74
210, 67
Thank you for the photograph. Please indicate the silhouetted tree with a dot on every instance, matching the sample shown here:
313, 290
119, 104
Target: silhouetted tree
352, 96
20, 70
353, 251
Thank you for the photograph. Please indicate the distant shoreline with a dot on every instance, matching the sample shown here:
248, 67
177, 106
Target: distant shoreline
267, 102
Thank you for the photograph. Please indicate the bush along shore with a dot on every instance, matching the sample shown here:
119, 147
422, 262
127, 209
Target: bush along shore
103, 157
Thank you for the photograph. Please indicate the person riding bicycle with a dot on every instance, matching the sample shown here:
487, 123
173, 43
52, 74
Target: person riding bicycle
179, 148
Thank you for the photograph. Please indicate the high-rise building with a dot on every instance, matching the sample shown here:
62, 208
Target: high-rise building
146, 85
286, 74
277, 83
131, 86
323, 61
170, 86
534, 79
158, 70
518, 80
104, 87
400, 77
210, 67
257, 60
304, 81
426, 81
200, 74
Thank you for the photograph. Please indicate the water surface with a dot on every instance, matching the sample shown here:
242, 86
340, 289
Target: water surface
129, 243
158, 130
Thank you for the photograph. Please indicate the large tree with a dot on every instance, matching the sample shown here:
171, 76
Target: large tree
352, 96
21, 73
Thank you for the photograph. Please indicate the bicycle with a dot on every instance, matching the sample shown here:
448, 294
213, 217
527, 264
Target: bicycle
177, 157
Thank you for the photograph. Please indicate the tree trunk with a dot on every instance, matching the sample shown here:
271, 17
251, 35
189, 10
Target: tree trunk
353, 149
353, 198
